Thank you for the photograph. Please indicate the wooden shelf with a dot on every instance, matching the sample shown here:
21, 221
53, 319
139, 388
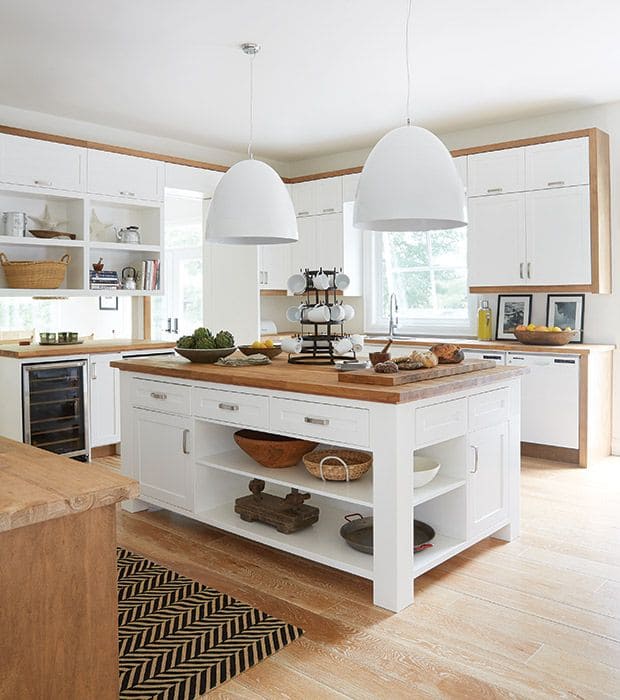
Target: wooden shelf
321, 542
437, 487
357, 492
443, 548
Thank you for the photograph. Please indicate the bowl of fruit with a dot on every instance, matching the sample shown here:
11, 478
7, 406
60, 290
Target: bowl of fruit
264, 347
544, 335
203, 346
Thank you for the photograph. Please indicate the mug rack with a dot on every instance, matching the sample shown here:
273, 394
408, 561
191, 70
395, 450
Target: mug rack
318, 338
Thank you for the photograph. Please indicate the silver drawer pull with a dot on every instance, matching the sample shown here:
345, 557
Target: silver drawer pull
476, 459
303, 213
186, 441
44, 183
126, 193
326, 211
228, 406
495, 189
316, 421
555, 183
159, 395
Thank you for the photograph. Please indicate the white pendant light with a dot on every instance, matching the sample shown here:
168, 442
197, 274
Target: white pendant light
409, 181
251, 205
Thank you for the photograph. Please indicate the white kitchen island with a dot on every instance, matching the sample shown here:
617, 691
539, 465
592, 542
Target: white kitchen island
178, 421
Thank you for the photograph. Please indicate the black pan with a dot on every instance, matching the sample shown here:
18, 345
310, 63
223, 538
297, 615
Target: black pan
358, 532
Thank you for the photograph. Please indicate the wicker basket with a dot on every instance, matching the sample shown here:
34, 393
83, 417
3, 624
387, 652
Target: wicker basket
338, 465
34, 274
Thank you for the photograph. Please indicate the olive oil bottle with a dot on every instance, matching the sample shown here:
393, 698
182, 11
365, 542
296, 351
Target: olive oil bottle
484, 321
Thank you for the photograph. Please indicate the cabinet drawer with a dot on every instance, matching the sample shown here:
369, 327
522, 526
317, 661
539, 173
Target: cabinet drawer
441, 421
349, 426
244, 410
489, 408
125, 176
496, 172
161, 396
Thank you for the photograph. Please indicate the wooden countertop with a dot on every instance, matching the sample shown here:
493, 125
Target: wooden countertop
88, 347
510, 345
36, 485
317, 380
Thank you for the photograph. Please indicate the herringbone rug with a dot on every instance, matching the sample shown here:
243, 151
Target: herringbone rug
180, 639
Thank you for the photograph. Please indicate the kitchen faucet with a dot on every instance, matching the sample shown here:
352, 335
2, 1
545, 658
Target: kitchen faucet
393, 315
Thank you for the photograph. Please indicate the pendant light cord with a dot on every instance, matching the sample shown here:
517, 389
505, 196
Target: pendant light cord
408, 59
250, 140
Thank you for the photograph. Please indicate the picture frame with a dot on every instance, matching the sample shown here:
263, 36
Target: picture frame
108, 303
567, 310
512, 310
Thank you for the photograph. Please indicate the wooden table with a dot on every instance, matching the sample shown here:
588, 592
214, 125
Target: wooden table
58, 599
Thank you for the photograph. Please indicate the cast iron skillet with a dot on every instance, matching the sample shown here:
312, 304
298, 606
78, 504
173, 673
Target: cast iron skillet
358, 532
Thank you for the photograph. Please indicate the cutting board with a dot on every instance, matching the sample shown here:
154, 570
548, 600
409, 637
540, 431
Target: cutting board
369, 376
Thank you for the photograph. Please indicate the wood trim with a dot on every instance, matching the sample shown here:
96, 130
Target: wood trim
518, 143
596, 407
600, 196
584, 363
321, 176
273, 292
147, 318
103, 451
550, 452
534, 289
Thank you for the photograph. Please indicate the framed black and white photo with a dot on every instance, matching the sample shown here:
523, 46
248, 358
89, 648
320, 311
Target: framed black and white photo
512, 310
566, 311
108, 303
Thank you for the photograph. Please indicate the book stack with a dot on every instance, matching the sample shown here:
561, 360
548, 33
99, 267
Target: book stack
148, 279
106, 279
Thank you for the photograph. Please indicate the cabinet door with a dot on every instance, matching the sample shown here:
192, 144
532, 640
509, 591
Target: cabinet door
496, 240
328, 193
42, 164
125, 176
104, 400
487, 482
349, 187
304, 200
496, 172
557, 164
329, 241
460, 163
184, 177
558, 236
303, 252
274, 266
162, 444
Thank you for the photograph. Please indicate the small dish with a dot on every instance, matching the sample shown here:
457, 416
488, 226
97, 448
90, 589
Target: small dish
271, 352
425, 470
204, 356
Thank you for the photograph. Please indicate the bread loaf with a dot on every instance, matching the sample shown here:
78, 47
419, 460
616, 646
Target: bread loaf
425, 357
448, 353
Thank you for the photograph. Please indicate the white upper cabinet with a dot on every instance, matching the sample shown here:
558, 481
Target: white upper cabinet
496, 172
329, 242
303, 253
25, 161
460, 163
322, 196
274, 265
125, 176
189, 179
496, 240
558, 236
302, 194
349, 187
557, 164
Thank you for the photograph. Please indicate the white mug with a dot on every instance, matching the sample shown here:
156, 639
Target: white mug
321, 281
337, 313
318, 314
343, 346
291, 345
293, 314
342, 281
358, 342
349, 312
296, 284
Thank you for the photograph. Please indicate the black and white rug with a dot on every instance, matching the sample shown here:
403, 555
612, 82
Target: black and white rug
180, 639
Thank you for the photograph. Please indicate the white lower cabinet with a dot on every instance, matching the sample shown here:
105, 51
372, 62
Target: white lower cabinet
105, 426
162, 457
487, 479
273, 266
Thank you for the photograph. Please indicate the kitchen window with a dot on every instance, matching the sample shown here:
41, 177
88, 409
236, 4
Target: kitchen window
427, 270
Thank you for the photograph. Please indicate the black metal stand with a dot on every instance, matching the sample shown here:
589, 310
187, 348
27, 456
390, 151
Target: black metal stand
318, 346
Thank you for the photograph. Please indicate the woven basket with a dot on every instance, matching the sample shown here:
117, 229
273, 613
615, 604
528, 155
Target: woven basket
34, 274
338, 465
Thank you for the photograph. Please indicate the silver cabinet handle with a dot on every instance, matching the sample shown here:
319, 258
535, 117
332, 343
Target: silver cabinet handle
476, 456
495, 189
93, 370
126, 193
266, 276
555, 183
529, 270
185, 441
316, 421
303, 213
521, 270
327, 211
228, 406
44, 183
176, 326
160, 396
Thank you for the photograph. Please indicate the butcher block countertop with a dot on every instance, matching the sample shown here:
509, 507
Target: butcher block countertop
510, 345
317, 380
88, 347
36, 486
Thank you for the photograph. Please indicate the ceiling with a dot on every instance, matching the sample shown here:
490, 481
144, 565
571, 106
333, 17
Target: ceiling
330, 76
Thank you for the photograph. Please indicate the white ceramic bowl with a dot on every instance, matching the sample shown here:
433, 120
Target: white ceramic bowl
424, 471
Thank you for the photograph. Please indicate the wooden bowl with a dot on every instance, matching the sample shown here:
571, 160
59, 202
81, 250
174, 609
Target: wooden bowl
545, 337
377, 357
39, 233
271, 352
204, 356
273, 451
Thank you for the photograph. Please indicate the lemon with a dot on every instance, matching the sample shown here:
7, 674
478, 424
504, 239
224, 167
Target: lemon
257, 344
268, 343
556, 329
531, 327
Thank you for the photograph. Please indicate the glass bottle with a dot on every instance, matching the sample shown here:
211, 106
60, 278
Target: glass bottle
484, 321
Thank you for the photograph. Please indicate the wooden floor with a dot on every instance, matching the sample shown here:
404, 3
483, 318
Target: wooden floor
535, 618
